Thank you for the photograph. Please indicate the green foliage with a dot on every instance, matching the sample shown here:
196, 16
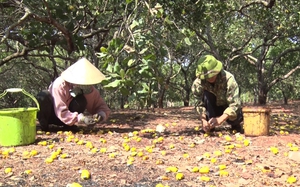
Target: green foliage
148, 49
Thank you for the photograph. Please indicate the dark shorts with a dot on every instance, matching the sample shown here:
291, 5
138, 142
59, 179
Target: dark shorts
46, 114
212, 110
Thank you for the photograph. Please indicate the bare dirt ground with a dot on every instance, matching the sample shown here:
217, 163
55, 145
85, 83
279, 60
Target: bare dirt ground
126, 151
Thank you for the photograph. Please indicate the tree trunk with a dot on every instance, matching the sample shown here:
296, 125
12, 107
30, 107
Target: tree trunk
186, 101
122, 102
285, 98
160, 100
161, 93
262, 95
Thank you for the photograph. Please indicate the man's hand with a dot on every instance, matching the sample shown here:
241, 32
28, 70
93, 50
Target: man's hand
206, 126
214, 122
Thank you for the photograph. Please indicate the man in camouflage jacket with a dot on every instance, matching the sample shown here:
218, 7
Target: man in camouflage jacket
217, 94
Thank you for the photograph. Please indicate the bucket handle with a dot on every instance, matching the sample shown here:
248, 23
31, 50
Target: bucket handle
13, 90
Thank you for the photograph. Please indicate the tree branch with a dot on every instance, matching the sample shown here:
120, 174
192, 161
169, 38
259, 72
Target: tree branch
278, 58
283, 77
13, 56
65, 32
19, 22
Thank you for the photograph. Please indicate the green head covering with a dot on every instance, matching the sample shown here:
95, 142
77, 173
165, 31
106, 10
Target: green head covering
208, 66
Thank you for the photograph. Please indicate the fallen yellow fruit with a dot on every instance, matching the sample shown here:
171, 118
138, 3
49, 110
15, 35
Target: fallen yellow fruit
172, 169
89, 145
204, 170
65, 155
49, 160
94, 150
213, 160
74, 184
294, 148
179, 176
138, 139
192, 145
103, 150
228, 138
33, 152
27, 171
291, 180
195, 169
159, 185
11, 150
217, 153
223, 173
163, 153
290, 145
204, 178
80, 142
239, 138
7, 170
112, 155
186, 155
54, 155
222, 167
85, 174
140, 154
246, 142
26, 154
102, 140
274, 150
43, 143
206, 155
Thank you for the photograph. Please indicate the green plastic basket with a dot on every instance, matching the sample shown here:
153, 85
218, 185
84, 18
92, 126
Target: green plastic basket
18, 125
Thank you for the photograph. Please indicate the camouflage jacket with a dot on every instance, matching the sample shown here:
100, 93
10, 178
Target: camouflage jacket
226, 91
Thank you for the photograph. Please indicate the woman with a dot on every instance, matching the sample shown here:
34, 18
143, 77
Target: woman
70, 95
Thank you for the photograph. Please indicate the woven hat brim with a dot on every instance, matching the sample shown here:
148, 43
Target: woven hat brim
83, 73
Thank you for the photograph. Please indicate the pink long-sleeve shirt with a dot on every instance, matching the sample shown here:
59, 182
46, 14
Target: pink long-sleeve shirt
59, 90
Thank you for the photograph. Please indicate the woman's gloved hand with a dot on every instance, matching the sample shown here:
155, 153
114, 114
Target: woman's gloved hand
88, 120
99, 117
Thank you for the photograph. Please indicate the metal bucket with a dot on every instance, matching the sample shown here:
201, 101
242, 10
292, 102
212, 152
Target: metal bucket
18, 125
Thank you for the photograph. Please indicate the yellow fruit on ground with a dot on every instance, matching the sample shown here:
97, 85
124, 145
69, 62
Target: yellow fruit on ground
204, 170
7, 170
27, 171
172, 169
179, 176
33, 152
74, 184
49, 160
85, 174
291, 180
195, 169
204, 178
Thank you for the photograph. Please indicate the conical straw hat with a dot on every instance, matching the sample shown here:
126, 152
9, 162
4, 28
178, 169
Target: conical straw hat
83, 73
